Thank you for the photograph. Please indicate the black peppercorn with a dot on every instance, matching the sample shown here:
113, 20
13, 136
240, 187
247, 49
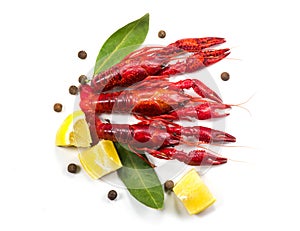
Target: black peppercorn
225, 76
169, 185
82, 79
73, 90
57, 107
112, 194
161, 34
82, 54
72, 168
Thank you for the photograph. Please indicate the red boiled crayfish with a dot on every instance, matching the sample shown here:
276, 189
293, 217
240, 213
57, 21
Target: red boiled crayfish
182, 56
157, 101
161, 99
158, 139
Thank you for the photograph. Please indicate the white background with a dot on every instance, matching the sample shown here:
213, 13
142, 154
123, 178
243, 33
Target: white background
39, 45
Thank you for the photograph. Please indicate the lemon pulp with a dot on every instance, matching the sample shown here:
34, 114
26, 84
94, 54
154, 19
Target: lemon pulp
193, 193
100, 159
74, 131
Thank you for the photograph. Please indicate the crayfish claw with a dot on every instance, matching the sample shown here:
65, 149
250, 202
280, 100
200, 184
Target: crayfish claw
213, 56
199, 88
194, 158
203, 157
218, 110
209, 135
197, 44
217, 161
223, 137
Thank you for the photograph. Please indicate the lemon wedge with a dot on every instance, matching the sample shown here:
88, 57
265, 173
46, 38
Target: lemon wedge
193, 193
74, 131
100, 159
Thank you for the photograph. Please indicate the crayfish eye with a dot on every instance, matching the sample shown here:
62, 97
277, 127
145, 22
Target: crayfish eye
163, 66
107, 120
181, 104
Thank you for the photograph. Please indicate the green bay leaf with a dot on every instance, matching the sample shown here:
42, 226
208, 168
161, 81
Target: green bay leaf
140, 179
121, 43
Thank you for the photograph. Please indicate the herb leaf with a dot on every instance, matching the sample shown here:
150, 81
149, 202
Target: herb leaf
121, 43
140, 179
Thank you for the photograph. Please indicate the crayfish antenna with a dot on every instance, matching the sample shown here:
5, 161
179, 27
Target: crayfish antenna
238, 161
229, 49
231, 146
240, 104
